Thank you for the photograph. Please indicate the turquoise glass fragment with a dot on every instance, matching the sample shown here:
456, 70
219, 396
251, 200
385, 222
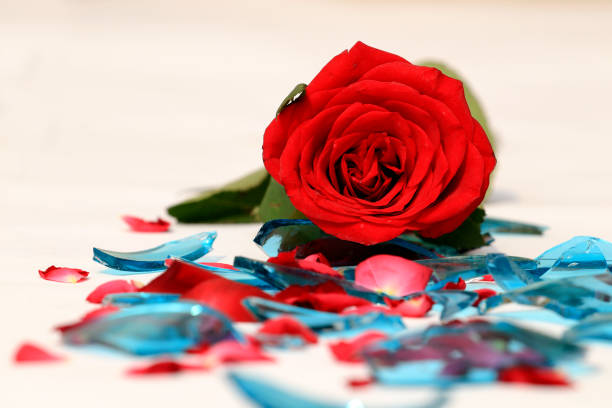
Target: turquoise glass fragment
467, 267
281, 277
138, 298
597, 327
471, 352
452, 301
285, 235
149, 260
573, 298
578, 257
152, 329
326, 324
500, 226
507, 273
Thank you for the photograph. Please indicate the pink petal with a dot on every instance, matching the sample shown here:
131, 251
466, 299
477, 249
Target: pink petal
64, 275
107, 288
415, 307
232, 351
392, 275
139, 225
165, 367
31, 353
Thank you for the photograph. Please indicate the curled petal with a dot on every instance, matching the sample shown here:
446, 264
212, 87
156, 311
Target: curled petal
64, 275
415, 307
393, 275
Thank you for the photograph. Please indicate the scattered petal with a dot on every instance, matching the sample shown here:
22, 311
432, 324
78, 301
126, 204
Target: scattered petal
414, 307
64, 275
483, 294
107, 288
392, 275
533, 375
31, 353
361, 382
459, 285
139, 225
317, 263
165, 367
487, 278
180, 277
92, 315
350, 351
232, 351
288, 326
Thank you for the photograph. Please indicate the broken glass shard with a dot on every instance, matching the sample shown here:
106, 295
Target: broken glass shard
583, 258
507, 273
463, 352
551, 256
152, 329
324, 323
500, 226
190, 248
597, 327
452, 301
138, 298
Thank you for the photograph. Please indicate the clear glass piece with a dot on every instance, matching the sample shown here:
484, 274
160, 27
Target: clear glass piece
597, 327
501, 226
138, 298
149, 260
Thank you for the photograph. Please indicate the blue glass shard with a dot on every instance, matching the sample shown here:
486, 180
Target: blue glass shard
152, 329
501, 226
267, 395
452, 301
466, 267
281, 277
326, 324
507, 274
149, 260
551, 256
138, 298
463, 352
597, 327
584, 258
284, 235
573, 298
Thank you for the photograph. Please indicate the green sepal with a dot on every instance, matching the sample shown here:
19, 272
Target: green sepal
293, 97
276, 204
466, 237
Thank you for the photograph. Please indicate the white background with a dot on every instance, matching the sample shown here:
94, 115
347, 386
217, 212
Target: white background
114, 107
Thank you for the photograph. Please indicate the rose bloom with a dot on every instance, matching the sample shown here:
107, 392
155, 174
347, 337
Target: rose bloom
377, 146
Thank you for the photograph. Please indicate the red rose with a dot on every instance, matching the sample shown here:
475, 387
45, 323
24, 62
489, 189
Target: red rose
377, 146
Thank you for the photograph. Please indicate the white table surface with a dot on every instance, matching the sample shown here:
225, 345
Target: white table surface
114, 107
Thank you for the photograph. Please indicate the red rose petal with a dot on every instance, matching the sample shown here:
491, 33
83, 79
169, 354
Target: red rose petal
414, 307
487, 278
107, 288
31, 353
287, 325
64, 275
139, 225
232, 351
165, 367
483, 294
361, 310
179, 278
286, 258
317, 263
459, 285
226, 296
218, 265
349, 351
361, 382
533, 375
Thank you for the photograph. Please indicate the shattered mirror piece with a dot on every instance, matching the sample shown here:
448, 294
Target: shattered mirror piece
500, 226
138, 298
547, 259
460, 352
149, 260
324, 323
507, 274
596, 327
450, 269
573, 298
268, 395
584, 258
152, 329
281, 277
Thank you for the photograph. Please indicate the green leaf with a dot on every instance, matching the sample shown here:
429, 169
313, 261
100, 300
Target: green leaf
276, 204
293, 97
234, 202
475, 106
467, 236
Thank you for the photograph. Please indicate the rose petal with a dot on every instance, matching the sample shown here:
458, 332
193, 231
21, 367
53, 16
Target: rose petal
414, 307
139, 225
350, 351
483, 294
165, 367
218, 265
532, 375
226, 296
180, 277
232, 351
392, 275
361, 382
288, 326
107, 288
459, 285
31, 353
64, 275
